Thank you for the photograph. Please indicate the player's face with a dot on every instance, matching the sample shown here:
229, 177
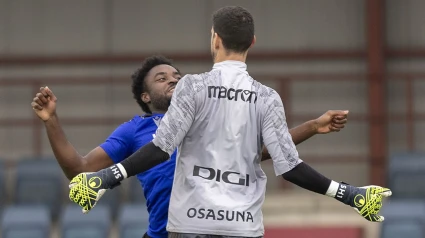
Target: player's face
161, 81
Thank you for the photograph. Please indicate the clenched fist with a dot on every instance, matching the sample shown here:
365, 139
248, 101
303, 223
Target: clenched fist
332, 120
44, 104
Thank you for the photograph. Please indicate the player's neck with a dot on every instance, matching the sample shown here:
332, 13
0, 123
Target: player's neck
223, 56
158, 111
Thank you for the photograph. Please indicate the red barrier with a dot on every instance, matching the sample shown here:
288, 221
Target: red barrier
314, 232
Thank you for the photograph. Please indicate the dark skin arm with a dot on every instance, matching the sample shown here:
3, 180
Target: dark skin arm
331, 121
71, 162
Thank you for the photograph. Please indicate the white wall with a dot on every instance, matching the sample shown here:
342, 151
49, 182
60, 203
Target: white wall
404, 24
57, 27
50, 27
405, 30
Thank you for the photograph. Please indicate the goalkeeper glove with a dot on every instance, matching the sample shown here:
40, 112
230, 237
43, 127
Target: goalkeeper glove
87, 188
367, 201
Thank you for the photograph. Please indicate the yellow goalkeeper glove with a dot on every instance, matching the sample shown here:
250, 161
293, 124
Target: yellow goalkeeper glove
87, 188
367, 201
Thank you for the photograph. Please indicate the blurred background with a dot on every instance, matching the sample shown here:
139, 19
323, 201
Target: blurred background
365, 56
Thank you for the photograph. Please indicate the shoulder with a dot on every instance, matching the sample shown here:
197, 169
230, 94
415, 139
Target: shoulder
128, 129
265, 93
191, 83
202, 76
198, 82
135, 123
268, 98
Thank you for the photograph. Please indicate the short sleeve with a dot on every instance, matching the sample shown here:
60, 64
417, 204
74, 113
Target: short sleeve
276, 136
119, 144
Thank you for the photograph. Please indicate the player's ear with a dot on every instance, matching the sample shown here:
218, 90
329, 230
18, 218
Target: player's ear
216, 41
253, 42
145, 98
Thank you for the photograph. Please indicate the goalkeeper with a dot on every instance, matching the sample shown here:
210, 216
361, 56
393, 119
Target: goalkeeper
209, 112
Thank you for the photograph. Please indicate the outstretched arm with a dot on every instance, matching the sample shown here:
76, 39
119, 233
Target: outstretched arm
367, 201
71, 162
331, 121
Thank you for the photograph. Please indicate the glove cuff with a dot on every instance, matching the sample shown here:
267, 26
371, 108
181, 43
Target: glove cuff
345, 193
113, 176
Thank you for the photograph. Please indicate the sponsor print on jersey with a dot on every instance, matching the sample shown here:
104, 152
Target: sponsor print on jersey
229, 177
232, 94
219, 215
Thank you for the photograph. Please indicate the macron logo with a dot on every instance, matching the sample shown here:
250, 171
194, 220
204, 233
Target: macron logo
232, 94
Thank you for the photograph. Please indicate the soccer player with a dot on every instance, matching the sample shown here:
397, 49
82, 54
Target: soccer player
153, 85
219, 120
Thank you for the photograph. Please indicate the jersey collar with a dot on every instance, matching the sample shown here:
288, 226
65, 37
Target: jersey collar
231, 63
152, 115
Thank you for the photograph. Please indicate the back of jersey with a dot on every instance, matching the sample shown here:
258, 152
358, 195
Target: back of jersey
219, 185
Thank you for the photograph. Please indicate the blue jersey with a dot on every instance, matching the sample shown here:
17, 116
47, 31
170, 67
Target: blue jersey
156, 182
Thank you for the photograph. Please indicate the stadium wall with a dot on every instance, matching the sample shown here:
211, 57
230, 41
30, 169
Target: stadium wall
312, 52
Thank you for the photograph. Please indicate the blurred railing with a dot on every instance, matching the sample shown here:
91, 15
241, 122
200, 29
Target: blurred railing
283, 83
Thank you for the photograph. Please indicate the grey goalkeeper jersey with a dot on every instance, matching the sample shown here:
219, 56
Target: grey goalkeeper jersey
219, 121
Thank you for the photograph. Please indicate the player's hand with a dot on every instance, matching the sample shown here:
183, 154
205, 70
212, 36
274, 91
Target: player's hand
367, 201
44, 104
332, 120
87, 188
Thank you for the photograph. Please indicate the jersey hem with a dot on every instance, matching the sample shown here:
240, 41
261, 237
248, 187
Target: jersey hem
218, 232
